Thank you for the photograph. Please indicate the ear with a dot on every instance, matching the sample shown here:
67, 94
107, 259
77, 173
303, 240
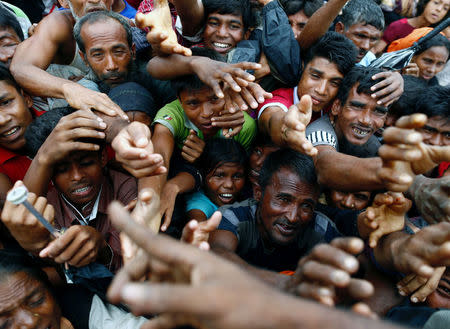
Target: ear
336, 107
27, 98
247, 34
104, 157
257, 192
83, 57
133, 51
64, 3
339, 27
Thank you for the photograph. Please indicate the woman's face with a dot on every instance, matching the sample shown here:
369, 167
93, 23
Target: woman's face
27, 303
431, 61
224, 183
435, 10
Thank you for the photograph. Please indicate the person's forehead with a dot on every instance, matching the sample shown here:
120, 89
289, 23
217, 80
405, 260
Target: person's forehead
285, 180
299, 16
440, 123
16, 288
202, 94
226, 17
327, 67
440, 52
105, 31
353, 95
367, 29
7, 89
8, 32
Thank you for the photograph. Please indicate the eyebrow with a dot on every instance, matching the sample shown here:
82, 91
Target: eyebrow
3, 96
381, 108
231, 20
314, 70
357, 104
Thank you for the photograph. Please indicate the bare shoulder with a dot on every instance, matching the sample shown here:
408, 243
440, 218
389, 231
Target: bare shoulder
58, 26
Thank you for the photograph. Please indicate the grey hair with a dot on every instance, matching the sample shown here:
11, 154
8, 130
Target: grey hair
100, 16
365, 12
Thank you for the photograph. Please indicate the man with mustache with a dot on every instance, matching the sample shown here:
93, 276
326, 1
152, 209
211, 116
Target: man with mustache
274, 231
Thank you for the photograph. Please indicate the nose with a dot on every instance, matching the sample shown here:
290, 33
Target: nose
293, 214
26, 319
222, 30
207, 110
6, 54
76, 173
365, 44
4, 118
348, 201
365, 117
321, 87
111, 63
228, 183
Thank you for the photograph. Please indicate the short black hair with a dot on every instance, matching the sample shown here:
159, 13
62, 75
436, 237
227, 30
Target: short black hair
365, 12
38, 131
231, 7
297, 162
433, 102
335, 47
218, 151
437, 41
13, 261
362, 76
413, 89
8, 20
100, 16
192, 82
6, 76
309, 7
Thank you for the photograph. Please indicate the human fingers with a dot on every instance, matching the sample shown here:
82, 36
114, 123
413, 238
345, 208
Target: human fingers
59, 246
188, 157
39, 204
364, 310
49, 213
244, 67
360, 289
322, 294
349, 245
399, 153
167, 213
134, 270
194, 143
396, 135
259, 94
85, 255
102, 103
297, 141
236, 98
229, 103
394, 180
232, 131
317, 271
188, 231
416, 120
163, 248
212, 223
229, 120
429, 287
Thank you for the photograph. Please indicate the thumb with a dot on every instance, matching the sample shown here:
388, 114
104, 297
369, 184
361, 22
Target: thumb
213, 222
140, 134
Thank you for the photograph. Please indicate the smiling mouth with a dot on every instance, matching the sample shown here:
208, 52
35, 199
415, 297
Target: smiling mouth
361, 132
82, 191
220, 45
92, 9
286, 229
226, 197
11, 132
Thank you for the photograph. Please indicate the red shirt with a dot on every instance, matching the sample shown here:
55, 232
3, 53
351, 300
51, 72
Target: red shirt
285, 98
13, 164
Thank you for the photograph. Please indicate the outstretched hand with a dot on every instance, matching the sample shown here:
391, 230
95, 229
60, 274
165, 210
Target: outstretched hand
161, 35
197, 234
293, 129
386, 215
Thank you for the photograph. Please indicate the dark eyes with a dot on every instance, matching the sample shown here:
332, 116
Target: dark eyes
5, 102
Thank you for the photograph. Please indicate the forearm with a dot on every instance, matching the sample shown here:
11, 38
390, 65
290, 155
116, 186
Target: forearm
388, 248
347, 173
319, 22
166, 68
39, 175
192, 15
184, 182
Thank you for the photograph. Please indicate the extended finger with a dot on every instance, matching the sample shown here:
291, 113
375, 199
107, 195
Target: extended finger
415, 120
39, 205
396, 135
395, 153
237, 99
322, 294
349, 245
188, 231
360, 289
212, 223
429, 287
326, 274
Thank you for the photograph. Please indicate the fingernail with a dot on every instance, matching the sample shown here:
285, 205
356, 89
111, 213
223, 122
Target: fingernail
414, 138
404, 178
350, 263
413, 154
102, 124
130, 291
339, 276
402, 293
414, 299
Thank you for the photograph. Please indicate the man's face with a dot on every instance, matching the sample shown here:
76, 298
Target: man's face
15, 117
107, 51
349, 200
436, 131
27, 303
256, 160
440, 298
431, 61
359, 118
79, 8
200, 106
363, 36
79, 177
321, 80
298, 22
287, 205
8, 43
225, 183
223, 32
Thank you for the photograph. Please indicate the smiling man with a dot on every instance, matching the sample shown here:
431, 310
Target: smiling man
345, 138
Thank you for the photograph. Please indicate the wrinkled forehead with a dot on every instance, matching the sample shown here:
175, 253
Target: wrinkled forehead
15, 288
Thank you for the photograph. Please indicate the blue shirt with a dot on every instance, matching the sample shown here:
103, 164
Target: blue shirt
200, 201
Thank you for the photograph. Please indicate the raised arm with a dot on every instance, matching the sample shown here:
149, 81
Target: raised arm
192, 15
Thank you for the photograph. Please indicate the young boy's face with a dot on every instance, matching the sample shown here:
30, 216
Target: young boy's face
223, 32
200, 106
15, 116
79, 177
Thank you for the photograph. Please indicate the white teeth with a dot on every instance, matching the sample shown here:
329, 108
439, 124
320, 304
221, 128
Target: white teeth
226, 195
221, 45
81, 190
11, 132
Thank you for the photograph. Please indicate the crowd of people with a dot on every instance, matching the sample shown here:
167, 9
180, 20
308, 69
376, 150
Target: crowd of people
224, 164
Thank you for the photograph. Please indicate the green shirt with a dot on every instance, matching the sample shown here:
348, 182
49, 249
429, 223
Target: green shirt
173, 117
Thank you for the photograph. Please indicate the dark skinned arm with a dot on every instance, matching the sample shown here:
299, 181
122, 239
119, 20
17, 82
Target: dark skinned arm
192, 15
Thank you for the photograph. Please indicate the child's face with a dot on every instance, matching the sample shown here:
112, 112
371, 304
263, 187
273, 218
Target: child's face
223, 32
224, 183
79, 177
200, 106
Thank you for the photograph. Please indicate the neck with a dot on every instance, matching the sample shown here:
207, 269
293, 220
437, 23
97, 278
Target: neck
418, 22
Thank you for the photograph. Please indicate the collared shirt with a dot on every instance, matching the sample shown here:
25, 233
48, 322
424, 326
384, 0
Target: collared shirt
115, 186
173, 117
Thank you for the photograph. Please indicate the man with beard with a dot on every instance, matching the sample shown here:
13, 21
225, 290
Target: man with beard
53, 42
274, 231
106, 46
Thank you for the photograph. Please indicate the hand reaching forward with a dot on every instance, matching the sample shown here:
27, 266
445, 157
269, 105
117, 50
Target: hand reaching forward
293, 130
161, 35
330, 266
197, 234
386, 215
134, 150
420, 287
